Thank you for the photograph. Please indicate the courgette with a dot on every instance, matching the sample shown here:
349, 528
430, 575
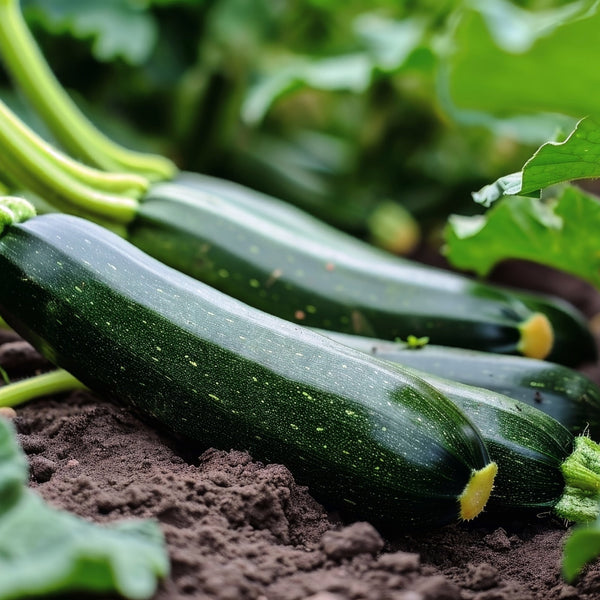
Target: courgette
542, 467
573, 341
283, 272
208, 368
563, 393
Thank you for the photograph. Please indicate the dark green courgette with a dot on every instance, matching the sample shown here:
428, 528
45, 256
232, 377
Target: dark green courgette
541, 466
567, 395
284, 272
573, 341
211, 369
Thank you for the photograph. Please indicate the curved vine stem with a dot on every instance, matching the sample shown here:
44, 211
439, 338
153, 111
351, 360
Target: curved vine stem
70, 126
126, 184
39, 172
38, 386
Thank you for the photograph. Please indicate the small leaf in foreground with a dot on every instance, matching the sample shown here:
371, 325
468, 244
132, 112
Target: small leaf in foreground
562, 234
581, 547
47, 551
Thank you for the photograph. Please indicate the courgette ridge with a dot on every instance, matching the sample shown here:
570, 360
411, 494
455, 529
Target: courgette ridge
569, 396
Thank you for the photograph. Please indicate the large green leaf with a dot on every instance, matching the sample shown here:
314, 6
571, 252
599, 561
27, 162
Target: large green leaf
508, 61
578, 157
48, 551
562, 233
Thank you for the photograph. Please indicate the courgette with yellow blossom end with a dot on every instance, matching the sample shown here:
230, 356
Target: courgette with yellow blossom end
336, 287
206, 367
542, 467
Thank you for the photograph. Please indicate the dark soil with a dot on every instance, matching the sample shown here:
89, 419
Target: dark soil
238, 529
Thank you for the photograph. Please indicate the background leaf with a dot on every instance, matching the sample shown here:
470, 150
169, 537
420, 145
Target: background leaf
543, 68
578, 157
562, 233
117, 28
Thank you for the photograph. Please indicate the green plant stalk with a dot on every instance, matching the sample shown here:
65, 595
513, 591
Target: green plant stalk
71, 127
126, 184
38, 386
42, 175
14, 210
581, 471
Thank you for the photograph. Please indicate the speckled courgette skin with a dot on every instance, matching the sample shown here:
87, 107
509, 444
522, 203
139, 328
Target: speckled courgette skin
358, 431
431, 305
528, 446
563, 393
283, 272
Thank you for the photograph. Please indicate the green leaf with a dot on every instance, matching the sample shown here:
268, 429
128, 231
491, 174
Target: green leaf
505, 60
562, 234
581, 547
13, 469
578, 157
387, 47
350, 72
117, 28
48, 551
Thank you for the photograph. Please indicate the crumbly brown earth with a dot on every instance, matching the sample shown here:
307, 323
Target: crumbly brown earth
241, 530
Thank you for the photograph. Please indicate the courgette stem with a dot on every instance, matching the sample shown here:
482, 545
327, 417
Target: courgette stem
38, 386
581, 470
477, 492
70, 126
39, 174
537, 337
126, 184
14, 210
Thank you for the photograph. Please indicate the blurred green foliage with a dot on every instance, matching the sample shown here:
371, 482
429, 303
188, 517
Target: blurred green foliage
335, 106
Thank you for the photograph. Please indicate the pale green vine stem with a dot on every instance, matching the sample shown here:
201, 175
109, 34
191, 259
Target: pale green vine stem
126, 184
28, 67
38, 386
40, 174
